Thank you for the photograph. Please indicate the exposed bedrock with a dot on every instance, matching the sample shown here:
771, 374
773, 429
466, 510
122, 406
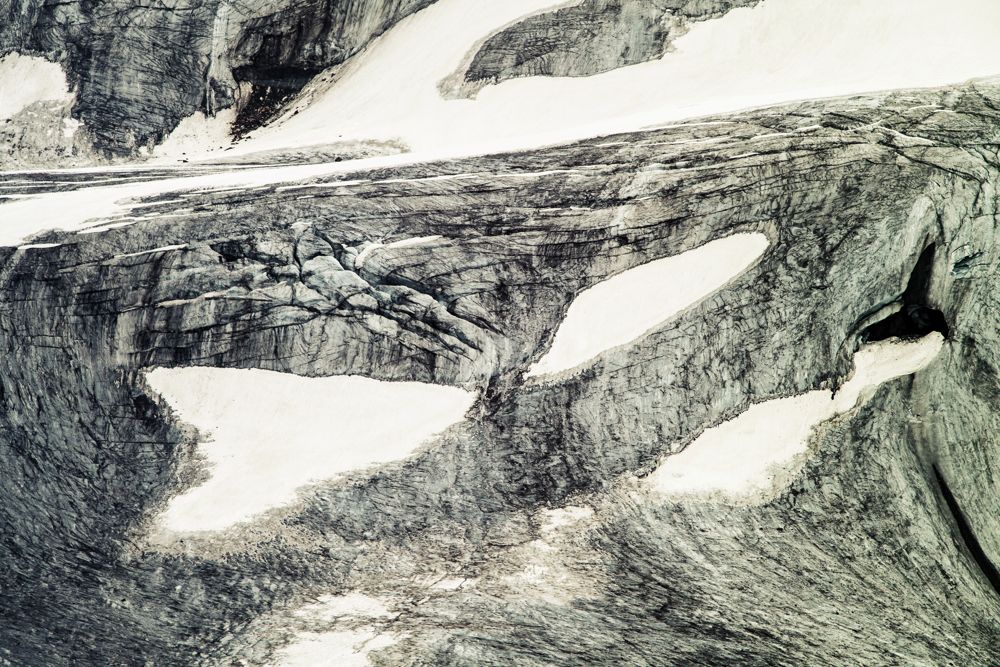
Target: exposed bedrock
140, 69
588, 37
879, 552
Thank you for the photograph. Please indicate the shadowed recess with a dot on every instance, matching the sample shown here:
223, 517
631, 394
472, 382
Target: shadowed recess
982, 561
916, 318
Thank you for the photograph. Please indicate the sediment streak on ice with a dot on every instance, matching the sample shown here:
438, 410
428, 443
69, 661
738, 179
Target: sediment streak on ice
267, 434
752, 457
624, 307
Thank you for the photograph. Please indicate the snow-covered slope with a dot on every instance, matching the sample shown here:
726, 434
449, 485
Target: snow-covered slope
138, 68
780, 50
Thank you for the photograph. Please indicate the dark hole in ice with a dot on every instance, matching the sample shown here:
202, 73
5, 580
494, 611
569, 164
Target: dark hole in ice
983, 561
915, 318
912, 321
229, 251
263, 104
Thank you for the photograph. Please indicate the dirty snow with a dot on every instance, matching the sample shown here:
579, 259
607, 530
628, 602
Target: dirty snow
342, 648
561, 518
198, 133
359, 261
333, 607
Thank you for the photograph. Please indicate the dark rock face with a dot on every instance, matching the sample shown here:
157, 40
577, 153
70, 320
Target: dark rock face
310, 36
877, 554
140, 69
590, 37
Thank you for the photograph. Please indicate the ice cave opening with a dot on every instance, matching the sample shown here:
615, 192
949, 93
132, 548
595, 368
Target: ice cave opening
916, 317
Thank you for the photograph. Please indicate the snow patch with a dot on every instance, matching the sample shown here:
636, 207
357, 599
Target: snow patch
38, 246
335, 647
333, 607
269, 433
70, 127
386, 71
346, 648
624, 307
25, 80
752, 458
166, 248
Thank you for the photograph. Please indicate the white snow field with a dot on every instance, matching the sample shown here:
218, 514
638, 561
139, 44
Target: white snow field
624, 307
777, 51
25, 80
267, 434
754, 456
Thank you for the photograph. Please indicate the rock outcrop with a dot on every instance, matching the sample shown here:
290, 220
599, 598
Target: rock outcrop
589, 37
139, 70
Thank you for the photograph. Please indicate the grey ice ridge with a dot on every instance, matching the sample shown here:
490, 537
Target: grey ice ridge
461, 332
